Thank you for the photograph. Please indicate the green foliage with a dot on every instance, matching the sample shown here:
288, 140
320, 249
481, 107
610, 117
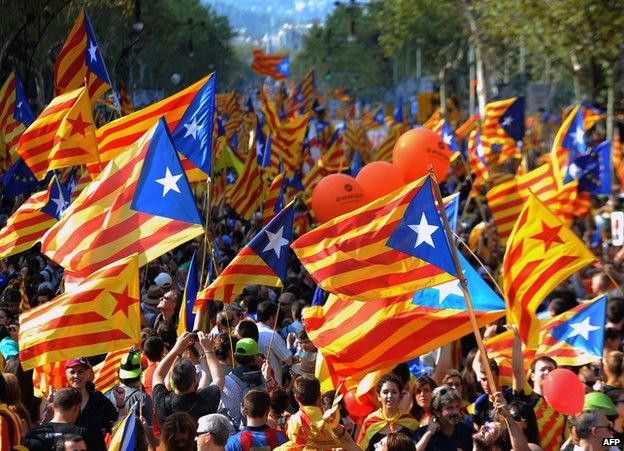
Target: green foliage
357, 65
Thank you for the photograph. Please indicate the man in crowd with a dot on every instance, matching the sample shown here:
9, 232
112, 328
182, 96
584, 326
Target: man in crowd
213, 431
279, 354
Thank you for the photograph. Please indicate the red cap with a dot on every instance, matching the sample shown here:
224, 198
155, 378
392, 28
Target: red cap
80, 361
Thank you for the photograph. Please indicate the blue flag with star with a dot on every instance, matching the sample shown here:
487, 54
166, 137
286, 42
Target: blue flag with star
272, 243
448, 136
190, 294
574, 138
582, 328
283, 66
420, 232
22, 111
59, 199
94, 60
397, 115
18, 179
379, 116
449, 295
593, 170
163, 189
512, 121
192, 137
452, 210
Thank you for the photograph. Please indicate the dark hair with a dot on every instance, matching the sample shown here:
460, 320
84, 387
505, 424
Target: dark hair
471, 384
560, 305
403, 372
250, 303
183, 375
66, 398
297, 308
221, 346
425, 380
615, 310
526, 412
176, 423
398, 441
393, 378
168, 333
247, 329
153, 348
266, 309
257, 403
12, 295
442, 396
225, 319
280, 398
611, 333
307, 390
4, 332
74, 438
542, 358
302, 335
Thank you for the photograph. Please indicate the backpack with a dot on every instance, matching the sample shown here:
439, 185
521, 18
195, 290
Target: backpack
247, 378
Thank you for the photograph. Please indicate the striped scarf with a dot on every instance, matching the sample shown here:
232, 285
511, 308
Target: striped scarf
377, 422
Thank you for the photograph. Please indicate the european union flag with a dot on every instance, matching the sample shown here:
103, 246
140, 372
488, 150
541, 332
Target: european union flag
420, 232
450, 295
192, 137
512, 121
18, 179
584, 330
163, 188
190, 293
593, 170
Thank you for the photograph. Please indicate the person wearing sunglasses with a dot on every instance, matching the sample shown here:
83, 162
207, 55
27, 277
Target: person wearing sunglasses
592, 428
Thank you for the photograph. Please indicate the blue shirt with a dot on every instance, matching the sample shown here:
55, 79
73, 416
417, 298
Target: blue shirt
255, 437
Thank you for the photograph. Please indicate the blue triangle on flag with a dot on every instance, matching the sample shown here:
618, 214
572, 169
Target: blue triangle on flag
379, 116
192, 136
190, 292
449, 295
585, 330
93, 56
574, 138
163, 189
512, 121
22, 111
57, 202
318, 299
452, 211
264, 159
449, 137
420, 232
283, 66
272, 243
356, 164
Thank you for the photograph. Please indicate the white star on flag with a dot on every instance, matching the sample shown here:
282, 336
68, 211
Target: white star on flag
507, 120
276, 241
424, 231
60, 206
169, 182
579, 135
19, 105
192, 129
449, 288
447, 138
583, 329
574, 171
92, 51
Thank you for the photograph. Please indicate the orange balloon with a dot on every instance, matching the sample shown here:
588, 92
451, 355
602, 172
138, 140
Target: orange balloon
418, 148
379, 178
335, 195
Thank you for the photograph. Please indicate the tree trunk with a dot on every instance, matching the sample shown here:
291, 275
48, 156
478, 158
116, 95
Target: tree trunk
610, 99
482, 81
443, 104
576, 77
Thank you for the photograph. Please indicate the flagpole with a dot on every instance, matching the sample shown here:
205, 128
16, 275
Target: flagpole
207, 202
608, 274
462, 280
487, 271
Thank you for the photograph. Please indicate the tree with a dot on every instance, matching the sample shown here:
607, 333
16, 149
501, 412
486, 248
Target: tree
345, 53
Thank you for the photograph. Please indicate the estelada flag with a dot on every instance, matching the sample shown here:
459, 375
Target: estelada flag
102, 314
541, 253
63, 135
15, 116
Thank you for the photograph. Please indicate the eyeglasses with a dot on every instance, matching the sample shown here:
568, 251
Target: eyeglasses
198, 434
608, 427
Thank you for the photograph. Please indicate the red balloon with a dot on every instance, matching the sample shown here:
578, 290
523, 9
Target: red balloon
564, 391
355, 407
418, 148
379, 178
334, 195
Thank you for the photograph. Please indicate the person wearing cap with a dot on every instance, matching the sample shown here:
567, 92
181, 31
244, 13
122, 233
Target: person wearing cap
130, 378
213, 431
190, 395
256, 406
97, 412
245, 376
149, 304
164, 281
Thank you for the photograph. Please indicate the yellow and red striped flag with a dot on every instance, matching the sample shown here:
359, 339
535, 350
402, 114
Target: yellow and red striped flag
80, 60
274, 199
246, 194
137, 205
63, 135
478, 166
384, 151
47, 376
26, 225
504, 127
124, 99
101, 315
15, 116
107, 371
287, 138
541, 253
471, 123
617, 157
505, 200
275, 66
433, 120
116, 136
567, 202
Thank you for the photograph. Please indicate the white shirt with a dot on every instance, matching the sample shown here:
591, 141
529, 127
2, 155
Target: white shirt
279, 351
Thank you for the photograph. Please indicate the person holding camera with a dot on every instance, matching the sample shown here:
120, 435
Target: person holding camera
193, 395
